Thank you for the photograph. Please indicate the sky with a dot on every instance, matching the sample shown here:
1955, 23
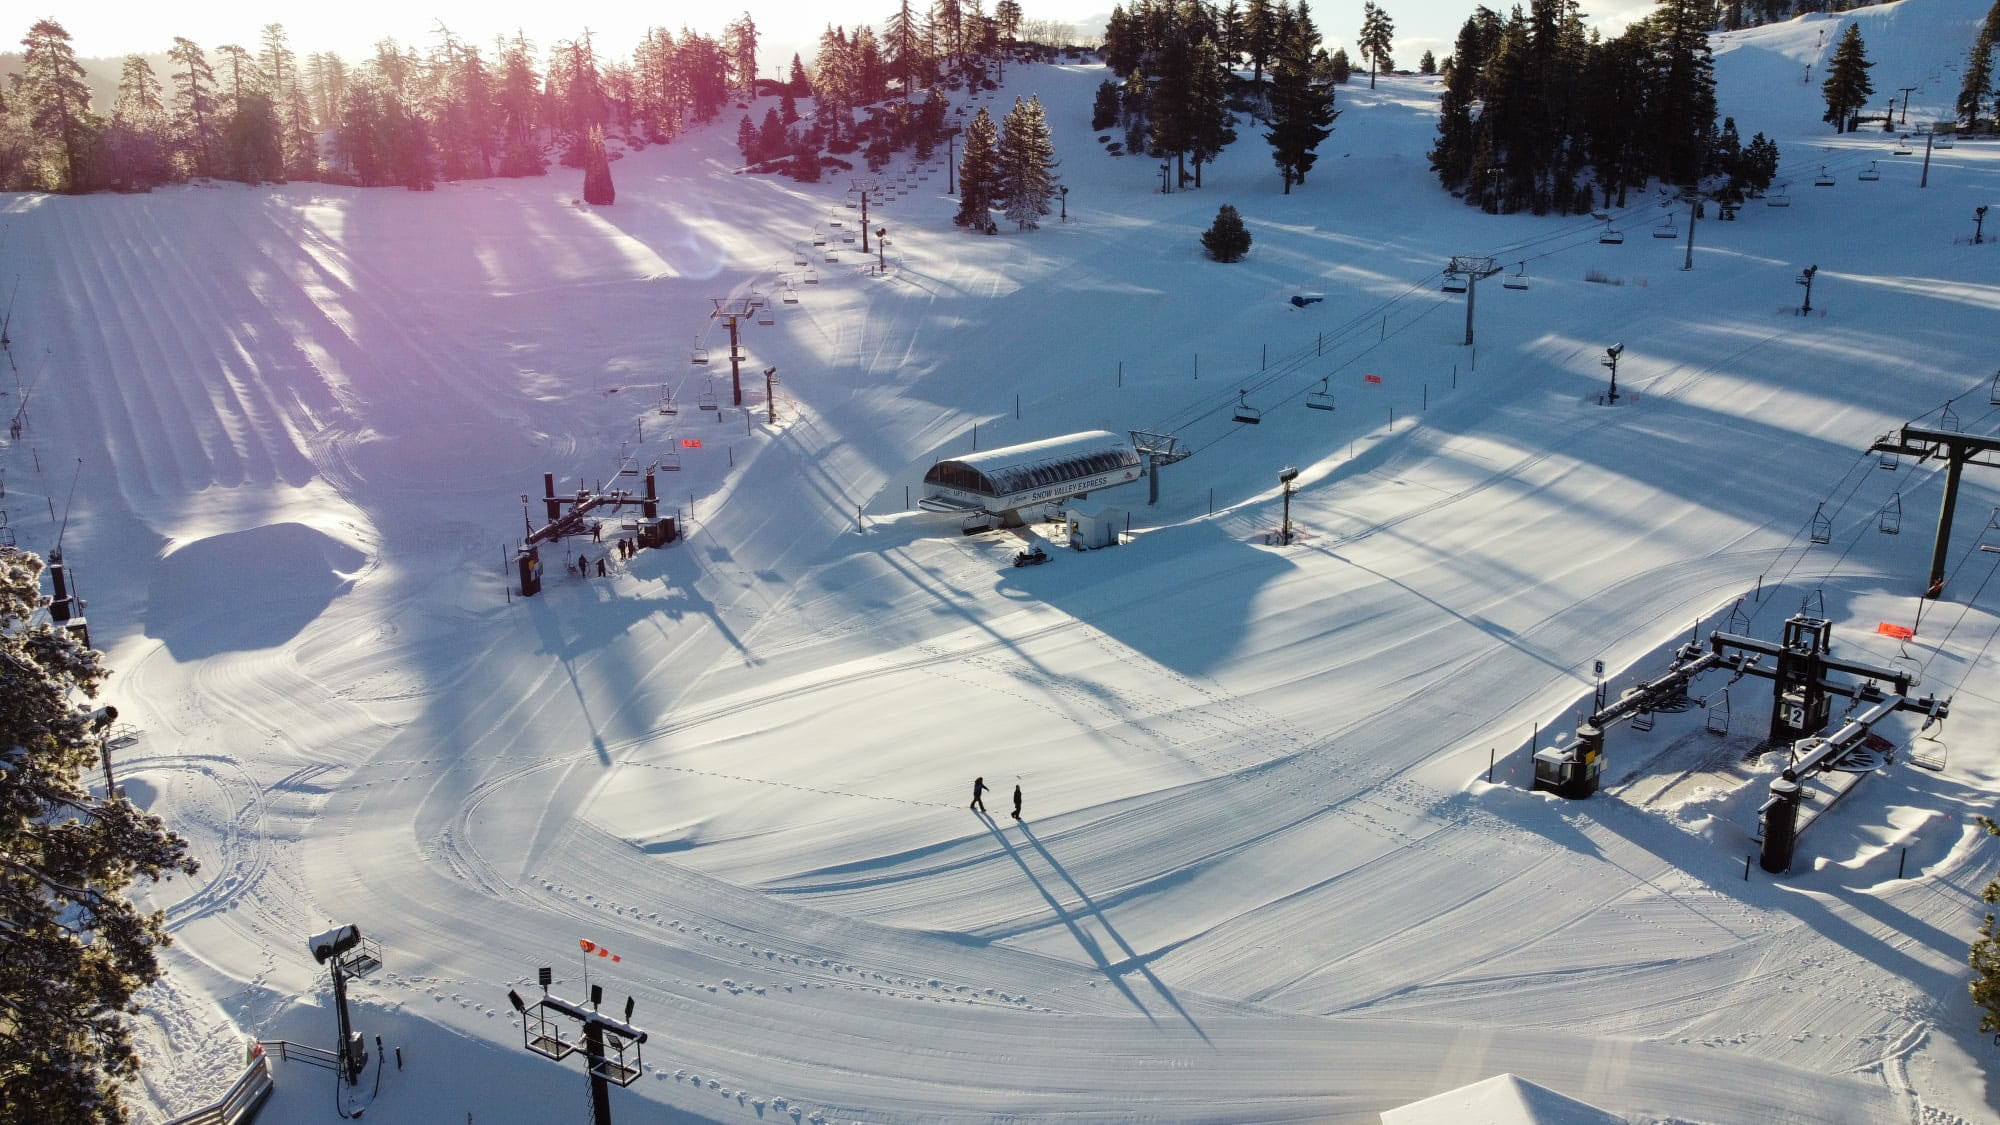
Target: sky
119, 27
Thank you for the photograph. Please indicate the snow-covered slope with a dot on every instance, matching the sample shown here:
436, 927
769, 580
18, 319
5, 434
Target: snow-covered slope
1261, 874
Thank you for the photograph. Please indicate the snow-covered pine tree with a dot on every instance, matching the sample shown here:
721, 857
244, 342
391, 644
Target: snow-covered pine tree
76, 950
1227, 239
1026, 164
977, 174
1847, 87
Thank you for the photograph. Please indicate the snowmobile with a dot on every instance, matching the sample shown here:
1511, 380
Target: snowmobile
1033, 556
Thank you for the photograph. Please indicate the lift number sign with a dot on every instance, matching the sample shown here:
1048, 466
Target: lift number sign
690, 443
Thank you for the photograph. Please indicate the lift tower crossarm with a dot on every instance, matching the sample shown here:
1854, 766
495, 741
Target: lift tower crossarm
1958, 450
1647, 696
1719, 641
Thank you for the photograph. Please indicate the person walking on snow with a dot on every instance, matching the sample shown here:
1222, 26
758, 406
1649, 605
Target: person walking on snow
978, 787
1017, 801
600, 566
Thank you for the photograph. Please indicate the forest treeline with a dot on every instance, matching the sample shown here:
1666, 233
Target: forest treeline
454, 110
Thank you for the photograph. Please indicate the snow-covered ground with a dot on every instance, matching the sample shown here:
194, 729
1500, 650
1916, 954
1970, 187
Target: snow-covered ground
1262, 875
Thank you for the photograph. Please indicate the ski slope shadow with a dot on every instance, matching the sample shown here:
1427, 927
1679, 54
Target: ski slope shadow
247, 590
1115, 973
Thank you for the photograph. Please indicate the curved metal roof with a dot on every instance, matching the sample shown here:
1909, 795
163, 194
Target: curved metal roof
1051, 461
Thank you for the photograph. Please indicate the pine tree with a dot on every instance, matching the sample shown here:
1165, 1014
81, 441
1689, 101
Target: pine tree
1378, 33
1978, 84
597, 189
197, 120
135, 143
1227, 239
52, 85
1847, 87
1025, 164
76, 950
1211, 126
1340, 68
1301, 113
1985, 955
1428, 64
976, 174
1260, 36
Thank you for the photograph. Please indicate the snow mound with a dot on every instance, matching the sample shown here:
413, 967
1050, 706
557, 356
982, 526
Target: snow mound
246, 590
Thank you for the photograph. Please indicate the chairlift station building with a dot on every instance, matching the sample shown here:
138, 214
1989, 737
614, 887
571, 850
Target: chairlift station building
1001, 482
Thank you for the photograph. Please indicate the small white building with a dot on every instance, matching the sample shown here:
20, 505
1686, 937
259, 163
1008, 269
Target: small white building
1094, 527
1500, 1100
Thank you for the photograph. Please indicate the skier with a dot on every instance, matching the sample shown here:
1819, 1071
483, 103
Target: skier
596, 532
1017, 801
600, 566
978, 787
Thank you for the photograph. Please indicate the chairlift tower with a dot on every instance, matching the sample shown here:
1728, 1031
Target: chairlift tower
1158, 450
729, 310
610, 1046
1957, 450
862, 186
1473, 270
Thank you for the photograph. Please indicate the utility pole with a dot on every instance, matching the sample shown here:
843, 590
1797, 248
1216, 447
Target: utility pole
1925, 179
1694, 208
1473, 268
951, 162
1906, 105
610, 1046
770, 400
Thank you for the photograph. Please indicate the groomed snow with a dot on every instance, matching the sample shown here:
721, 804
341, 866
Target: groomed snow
1261, 875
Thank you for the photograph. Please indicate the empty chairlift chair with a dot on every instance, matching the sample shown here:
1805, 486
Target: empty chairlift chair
1902, 146
667, 407
1320, 399
1518, 279
1612, 236
1453, 283
1993, 394
1782, 199
1822, 525
707, 401
1948, 419
1667, 229
1869, 174
670, 461
1825, 178
1892, 514
1246, 412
